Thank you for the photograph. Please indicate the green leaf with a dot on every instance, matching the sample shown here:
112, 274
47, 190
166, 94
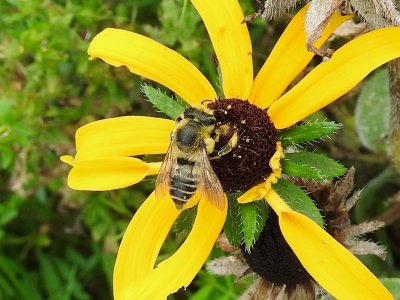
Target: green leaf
372, 112
307, 132
185, 220
298, 200
49, 275
393, 285
232, 225
161, 101
311, 166
254, 216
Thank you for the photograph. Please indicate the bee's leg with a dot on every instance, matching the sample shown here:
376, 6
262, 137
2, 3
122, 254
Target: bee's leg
227, 148
209, 144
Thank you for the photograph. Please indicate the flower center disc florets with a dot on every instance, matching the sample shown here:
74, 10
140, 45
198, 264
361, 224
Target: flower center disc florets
248, 163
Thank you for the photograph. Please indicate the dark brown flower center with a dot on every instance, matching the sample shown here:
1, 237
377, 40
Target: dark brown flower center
273, 259
248, 163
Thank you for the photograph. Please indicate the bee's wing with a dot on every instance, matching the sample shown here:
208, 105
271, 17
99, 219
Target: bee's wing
163, 182
209, 185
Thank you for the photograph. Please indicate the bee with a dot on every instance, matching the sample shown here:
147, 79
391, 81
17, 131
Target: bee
186, 171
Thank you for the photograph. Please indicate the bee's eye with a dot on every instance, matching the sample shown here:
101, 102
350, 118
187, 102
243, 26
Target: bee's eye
203, 117
209, 120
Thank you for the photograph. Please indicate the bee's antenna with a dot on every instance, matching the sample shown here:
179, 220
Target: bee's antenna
207, 100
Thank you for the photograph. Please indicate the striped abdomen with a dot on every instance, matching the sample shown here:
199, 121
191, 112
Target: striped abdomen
183, 184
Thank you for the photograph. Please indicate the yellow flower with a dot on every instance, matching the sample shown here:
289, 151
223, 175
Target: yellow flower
106, 149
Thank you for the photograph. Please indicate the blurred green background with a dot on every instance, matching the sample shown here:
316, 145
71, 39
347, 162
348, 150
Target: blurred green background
56, 243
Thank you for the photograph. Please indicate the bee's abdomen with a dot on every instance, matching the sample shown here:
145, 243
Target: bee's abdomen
183, 185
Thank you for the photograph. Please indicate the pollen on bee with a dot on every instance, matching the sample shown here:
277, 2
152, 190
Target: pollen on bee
243, 122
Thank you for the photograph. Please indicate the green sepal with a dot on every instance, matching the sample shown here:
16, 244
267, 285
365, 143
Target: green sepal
165, 104
184, 222
253, 215
232, 227
311, 165
307, 132
298, 200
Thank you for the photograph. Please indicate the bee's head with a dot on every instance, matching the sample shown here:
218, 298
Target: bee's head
201, 114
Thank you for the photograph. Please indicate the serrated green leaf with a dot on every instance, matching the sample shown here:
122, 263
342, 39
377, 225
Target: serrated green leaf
372, 112
232, 225
185, 220
172, 108
298, 200
311, 166
393, 285
254, 216
307, 132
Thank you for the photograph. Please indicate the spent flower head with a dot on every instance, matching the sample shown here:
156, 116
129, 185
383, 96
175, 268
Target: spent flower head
278, 272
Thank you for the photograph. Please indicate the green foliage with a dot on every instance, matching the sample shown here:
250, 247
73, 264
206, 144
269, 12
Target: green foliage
215, 287
372, 112
244, 222
298, 200
393, 285
185, 220
253, 216
307, 132
368, 207
311, 165
172, 108
232, 230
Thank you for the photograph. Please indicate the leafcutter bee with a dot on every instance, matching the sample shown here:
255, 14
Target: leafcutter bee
186, 171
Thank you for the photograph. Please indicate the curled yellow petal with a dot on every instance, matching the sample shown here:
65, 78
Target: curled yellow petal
179, 270
123, 136
255, 193
287, 59
231, 42
325, 259
107, 173
146, 57
332, 79
141, 244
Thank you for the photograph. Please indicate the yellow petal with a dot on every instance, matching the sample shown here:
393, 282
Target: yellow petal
326, 260
141, 244
146, 57
332, 79
255, 193
288, 58
231, 42
179, 270
123, 136
107, 173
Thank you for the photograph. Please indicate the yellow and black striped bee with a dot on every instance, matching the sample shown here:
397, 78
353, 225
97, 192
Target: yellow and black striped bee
186, 171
